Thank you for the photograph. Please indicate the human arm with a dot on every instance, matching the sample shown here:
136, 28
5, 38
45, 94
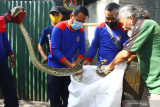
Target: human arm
7, 45
122, 56
16, 15
13, 62
68, 64
56, 51
93, 48
140, 35
86, 62
43, 55
42, 41
82, 48
78, 60
9, 52
61, 58
132, 58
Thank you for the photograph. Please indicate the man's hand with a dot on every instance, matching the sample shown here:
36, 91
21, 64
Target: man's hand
7, 17
13, 62
86, 62
73, 64
108, 67
16, 15
132, 58
77, 74
45, 59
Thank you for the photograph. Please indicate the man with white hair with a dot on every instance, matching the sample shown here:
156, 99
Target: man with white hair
145, 42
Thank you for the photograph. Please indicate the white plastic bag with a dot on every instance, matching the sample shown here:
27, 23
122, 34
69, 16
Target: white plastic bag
95, 91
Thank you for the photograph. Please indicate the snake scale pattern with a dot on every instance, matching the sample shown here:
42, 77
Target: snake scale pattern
48, 69
42, 67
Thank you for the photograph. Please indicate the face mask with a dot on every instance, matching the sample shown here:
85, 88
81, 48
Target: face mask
55, 19
76, 25
112, 24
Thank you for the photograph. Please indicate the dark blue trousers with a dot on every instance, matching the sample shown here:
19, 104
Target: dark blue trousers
58, 90
7, 85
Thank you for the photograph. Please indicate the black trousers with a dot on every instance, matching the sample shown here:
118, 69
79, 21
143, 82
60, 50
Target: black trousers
7, 85
58, 90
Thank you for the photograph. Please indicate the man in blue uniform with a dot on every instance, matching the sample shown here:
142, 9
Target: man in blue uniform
55, 16
102, 41
67, 38
6, 79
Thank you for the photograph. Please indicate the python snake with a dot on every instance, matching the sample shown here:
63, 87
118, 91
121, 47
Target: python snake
42, 67
101, 72
48, 69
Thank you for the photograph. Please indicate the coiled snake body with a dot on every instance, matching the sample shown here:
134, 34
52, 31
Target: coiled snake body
42, 67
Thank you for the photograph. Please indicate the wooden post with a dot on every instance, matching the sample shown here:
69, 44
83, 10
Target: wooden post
90, 24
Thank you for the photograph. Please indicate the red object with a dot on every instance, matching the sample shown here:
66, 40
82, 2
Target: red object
7, 17
19, 18
81, 56
62, 59
89, 59
74, 2
2, 25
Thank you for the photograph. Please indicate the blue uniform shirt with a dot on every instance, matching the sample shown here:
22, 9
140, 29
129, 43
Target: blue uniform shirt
65, 42
104, 45
5, 47
46, 36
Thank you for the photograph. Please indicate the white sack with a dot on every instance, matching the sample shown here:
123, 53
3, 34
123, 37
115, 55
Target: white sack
95, 91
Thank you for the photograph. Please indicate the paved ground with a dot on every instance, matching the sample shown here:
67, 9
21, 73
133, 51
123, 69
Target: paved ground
23, 103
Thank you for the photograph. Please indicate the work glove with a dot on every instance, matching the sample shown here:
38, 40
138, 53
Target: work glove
16, 15
7, 17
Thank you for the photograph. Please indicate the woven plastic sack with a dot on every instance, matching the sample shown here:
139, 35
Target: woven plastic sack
95, 91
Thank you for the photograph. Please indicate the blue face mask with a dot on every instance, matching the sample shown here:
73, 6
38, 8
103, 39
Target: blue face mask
76, 25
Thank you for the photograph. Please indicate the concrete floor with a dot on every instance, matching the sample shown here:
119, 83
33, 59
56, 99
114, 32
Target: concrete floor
23, 103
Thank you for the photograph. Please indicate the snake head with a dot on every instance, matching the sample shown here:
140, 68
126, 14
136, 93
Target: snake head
18, 13
101, 72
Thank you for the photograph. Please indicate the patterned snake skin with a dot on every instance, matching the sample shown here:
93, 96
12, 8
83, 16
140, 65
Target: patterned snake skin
101, 72
48, 69
43, 67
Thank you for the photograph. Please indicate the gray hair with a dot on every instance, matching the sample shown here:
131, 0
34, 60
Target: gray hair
134, 11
